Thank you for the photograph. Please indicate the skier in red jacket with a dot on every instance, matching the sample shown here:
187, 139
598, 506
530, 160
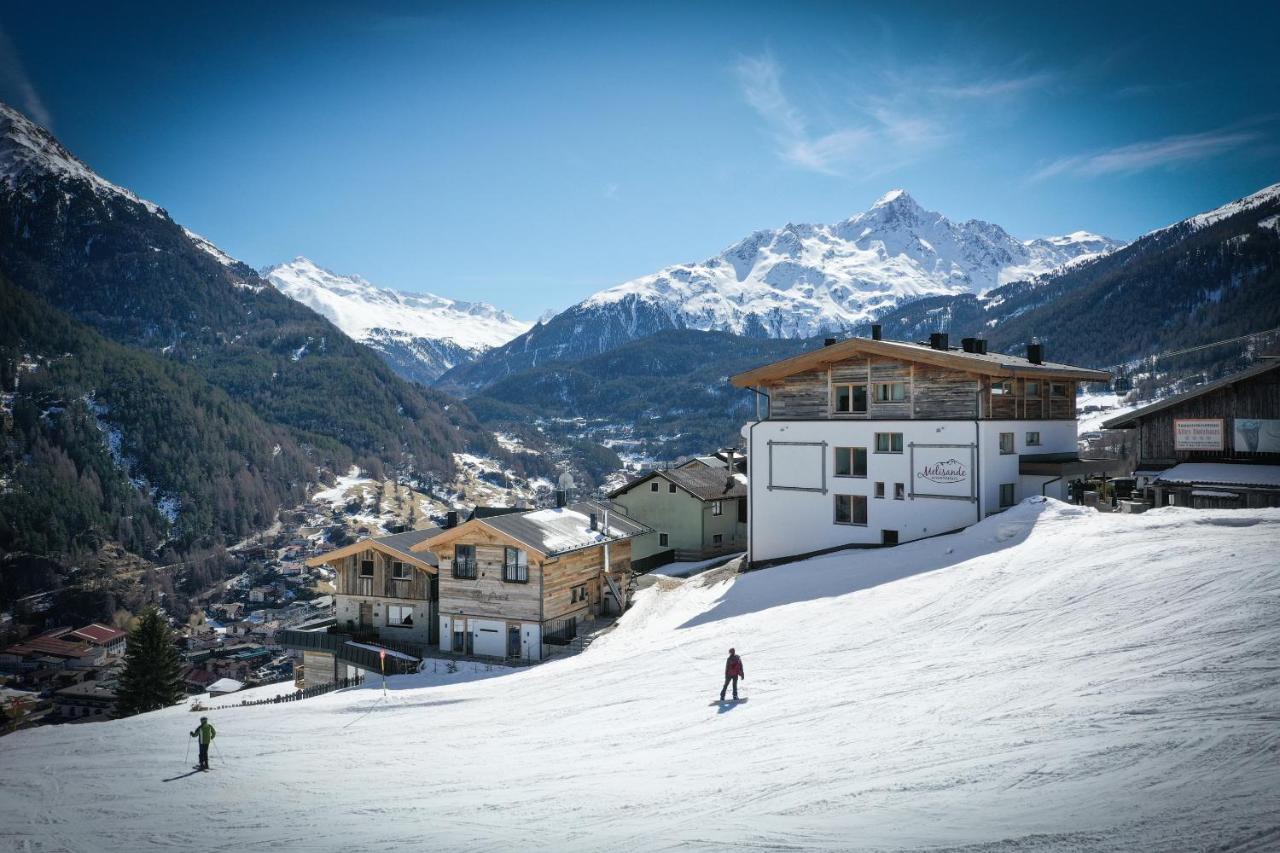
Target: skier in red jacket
732, 672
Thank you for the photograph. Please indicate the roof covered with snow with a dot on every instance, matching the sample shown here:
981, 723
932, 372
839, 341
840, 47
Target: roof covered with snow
568, 528
225, 685
1222, 474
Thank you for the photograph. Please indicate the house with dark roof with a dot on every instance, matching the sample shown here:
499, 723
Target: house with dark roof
867, 441
1215, 446
694, 512
515, 584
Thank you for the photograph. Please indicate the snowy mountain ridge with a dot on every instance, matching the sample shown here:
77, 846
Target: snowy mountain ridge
28, 149
1264, 196
797, 281
802, 280
438, 331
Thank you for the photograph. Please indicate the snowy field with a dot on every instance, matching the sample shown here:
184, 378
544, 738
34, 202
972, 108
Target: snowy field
1052, 679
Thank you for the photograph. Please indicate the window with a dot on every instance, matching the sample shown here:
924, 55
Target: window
888, 537
1033, 388
671, 487
1006, 494
515, 566
851, 462
399, 570
662, 540
899, 491
366, 568
891, 392
1002, 387
851, 399
717, 508
653, 487
851, 509
1006, 443
578, 593
464, 561
1057, 389
888, 442
879, 490
1033, 439
717, 539
400, 615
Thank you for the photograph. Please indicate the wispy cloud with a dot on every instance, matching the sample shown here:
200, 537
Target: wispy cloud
16, 86
1151, 154
761, 80
997, 87
876, 135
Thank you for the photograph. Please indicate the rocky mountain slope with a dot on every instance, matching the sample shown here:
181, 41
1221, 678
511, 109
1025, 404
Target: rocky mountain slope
192, 320
794, 282
1211, 277
420, 335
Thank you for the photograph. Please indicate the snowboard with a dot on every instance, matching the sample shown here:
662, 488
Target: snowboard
715, 702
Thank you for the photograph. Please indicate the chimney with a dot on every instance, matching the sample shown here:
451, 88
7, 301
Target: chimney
969, 344
829, 342
980, 346
562, 498
594, 521
1035, 352
875, 332
451, 519
939, 341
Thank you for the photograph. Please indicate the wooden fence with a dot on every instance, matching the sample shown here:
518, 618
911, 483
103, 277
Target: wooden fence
307, 693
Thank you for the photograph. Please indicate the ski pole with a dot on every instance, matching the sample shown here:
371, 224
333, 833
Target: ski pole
218, 749
187, 755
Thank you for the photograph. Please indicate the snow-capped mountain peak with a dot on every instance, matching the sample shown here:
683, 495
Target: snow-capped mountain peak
801, 280
1254, 200
28, 150
422, 334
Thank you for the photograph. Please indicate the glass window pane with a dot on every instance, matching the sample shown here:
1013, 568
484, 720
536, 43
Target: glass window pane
843, 468
859, 398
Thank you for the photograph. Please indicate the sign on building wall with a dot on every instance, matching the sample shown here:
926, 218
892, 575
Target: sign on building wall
1254, 435
799, 466
1197, 434
942, 471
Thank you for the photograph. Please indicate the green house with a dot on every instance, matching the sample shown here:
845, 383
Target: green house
697, 511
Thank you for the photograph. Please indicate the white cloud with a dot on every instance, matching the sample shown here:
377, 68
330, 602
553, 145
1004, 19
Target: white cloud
997, 87
16, 86
861, 142
1151, 154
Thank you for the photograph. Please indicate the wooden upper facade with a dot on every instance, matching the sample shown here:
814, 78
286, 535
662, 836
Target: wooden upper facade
1252, 394
866, 379
383, 567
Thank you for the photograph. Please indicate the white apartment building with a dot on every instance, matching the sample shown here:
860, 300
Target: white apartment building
874, 442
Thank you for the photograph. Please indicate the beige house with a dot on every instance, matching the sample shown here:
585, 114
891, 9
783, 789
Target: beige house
511, 585
696, 511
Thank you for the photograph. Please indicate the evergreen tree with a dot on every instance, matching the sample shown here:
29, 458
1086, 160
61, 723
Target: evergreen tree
152, 677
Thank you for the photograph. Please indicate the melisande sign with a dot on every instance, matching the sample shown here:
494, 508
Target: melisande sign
945, 472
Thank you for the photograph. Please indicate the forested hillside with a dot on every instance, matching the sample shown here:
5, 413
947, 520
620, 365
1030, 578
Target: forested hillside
668, 393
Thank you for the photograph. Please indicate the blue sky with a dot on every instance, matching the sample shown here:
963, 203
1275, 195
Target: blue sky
528, 155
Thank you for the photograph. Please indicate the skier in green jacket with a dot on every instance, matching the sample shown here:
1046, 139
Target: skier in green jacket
206, 733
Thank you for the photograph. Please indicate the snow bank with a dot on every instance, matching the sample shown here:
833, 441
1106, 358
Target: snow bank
1050, 679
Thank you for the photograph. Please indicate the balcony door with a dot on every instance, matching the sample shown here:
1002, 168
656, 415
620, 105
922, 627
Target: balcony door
366, 615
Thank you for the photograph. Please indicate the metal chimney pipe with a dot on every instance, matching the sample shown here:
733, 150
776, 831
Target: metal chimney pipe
1035, 353
829, 342
876, 332
594, 521
451, 519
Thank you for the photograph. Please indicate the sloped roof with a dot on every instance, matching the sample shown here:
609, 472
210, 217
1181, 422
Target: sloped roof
1222, 474
95, 633
705, 484
991, 363
1130, 420
396, 544
564, 529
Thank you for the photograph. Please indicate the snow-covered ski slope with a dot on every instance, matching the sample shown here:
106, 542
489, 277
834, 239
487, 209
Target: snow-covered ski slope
1051, 679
